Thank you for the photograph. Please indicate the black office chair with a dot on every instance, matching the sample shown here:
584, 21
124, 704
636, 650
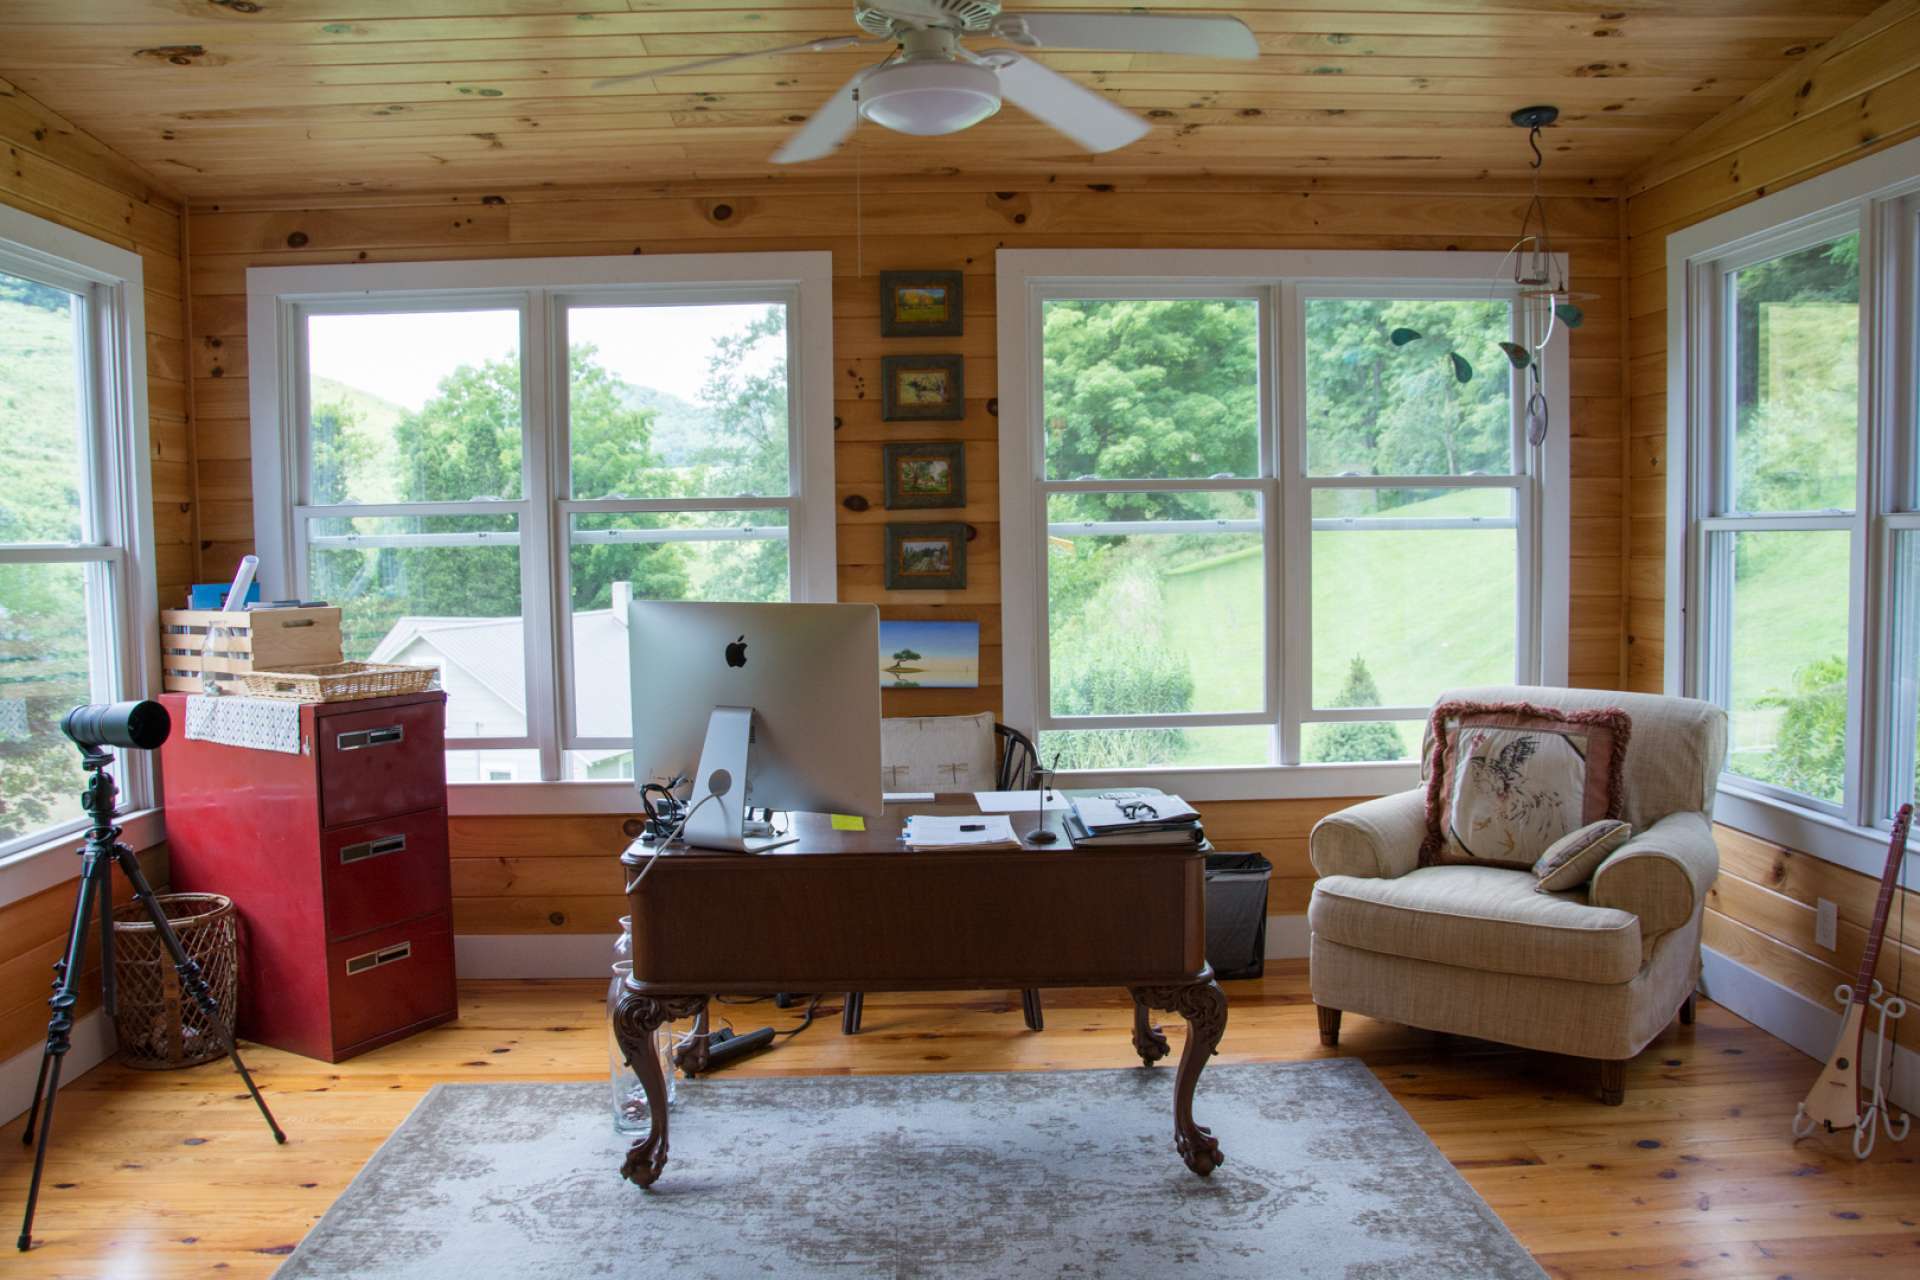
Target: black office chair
1018, 761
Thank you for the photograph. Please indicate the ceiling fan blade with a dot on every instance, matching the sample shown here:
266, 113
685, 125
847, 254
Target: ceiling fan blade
1200, 37
1072, 108
811, 46
826, 129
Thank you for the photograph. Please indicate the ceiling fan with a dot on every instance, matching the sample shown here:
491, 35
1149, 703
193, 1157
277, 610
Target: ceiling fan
931, 84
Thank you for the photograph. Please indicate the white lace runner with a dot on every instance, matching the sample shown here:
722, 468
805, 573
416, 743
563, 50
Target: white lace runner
264, 724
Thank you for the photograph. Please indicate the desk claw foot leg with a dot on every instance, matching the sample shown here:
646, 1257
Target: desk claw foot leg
635, 1020
1147, 1040
1204, 1006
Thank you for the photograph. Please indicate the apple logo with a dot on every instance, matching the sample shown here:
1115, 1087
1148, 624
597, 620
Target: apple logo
737, 653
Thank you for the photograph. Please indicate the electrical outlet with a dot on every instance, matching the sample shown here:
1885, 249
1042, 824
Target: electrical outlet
1826, 924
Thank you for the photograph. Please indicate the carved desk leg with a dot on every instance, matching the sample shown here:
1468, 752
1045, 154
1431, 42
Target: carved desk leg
1204, 1006
1147, 1040
691, 1057
635, 1020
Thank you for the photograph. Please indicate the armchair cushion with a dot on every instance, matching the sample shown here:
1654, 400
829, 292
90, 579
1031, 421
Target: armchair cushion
1661, 875
1478, 918
1379, 837
938, 753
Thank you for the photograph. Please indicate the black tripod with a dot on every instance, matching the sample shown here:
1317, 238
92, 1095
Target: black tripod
98, 857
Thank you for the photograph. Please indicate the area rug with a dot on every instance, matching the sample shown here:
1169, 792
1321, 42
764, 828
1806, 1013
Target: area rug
1067, 1173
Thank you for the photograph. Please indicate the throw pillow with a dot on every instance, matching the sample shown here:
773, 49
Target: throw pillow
1506, 780
1570, 861
937, 753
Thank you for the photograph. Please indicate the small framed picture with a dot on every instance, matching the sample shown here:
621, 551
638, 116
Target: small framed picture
925, 475
926, 557
920, 304
922, 389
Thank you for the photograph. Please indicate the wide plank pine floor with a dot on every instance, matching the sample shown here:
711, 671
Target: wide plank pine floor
173, 1173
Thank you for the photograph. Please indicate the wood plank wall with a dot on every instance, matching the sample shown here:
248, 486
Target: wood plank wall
514, 876
55, 171
1856, 95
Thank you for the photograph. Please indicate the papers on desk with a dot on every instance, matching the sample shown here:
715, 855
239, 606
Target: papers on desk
1019, 801
902, 797
1099, 822
945, 831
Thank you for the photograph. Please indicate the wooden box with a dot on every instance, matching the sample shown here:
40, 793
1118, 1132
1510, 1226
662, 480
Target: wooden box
258, 640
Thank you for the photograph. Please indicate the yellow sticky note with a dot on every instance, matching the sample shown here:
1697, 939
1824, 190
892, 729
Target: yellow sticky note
847, 822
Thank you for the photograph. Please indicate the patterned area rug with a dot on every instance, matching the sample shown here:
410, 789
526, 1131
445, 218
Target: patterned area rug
1068, 1173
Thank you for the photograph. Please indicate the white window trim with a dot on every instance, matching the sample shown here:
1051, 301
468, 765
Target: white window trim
1870, 193
1024, 276
118, 454
542, 288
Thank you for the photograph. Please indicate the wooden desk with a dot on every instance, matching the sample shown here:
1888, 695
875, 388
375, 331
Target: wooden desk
857, 911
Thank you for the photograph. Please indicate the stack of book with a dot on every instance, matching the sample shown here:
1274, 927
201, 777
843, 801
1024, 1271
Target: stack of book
1118, 819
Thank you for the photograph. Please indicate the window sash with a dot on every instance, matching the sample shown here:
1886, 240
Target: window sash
1878, 197
1284, 488
544, 293
116, 513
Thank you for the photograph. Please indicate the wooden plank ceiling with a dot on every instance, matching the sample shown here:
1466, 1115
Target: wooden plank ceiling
250, 97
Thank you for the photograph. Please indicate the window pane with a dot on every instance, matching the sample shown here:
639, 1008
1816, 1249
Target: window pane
1360, 741
1149, 389
1414, 591
1146, 748
1156, 603
1379, 409
1905, 729
1796, 379
45, 671
413, 406
436, 591
679, 401
1787, 640
660, 555
42, 415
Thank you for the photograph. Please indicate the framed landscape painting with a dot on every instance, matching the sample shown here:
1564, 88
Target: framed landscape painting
926, 557
929, 655
925, 475
922, 389
920, 304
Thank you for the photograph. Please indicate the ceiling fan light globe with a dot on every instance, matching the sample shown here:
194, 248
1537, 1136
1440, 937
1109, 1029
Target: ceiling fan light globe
930, 98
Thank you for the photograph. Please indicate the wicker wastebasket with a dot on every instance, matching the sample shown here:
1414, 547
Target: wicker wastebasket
158, 1023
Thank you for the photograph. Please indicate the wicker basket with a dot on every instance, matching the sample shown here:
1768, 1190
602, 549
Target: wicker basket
158, 1023
338, 682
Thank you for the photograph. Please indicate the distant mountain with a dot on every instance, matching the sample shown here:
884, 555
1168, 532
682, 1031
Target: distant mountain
378, 418
680, 428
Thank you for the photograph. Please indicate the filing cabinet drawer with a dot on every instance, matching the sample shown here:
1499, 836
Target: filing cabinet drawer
381, 762
390, 981
379, 872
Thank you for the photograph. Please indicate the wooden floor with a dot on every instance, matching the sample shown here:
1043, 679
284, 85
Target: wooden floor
172, 1173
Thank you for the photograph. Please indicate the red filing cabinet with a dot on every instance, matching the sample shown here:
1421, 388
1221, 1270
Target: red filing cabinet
336, 861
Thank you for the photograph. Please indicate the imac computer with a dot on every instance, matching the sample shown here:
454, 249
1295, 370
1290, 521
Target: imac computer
764, 706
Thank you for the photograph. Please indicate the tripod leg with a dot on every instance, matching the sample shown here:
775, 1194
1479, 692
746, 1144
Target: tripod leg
190, 978
66, 976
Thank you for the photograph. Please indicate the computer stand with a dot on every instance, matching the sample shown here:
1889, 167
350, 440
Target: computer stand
718, 819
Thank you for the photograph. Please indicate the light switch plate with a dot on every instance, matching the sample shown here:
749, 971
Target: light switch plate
1826, 924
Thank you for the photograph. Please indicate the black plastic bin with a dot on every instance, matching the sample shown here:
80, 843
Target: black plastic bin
1237, 914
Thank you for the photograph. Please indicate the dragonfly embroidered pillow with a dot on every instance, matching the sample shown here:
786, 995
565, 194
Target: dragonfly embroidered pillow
1505, 780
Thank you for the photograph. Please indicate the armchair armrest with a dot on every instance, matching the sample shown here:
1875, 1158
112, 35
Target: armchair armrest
1376, 838
1661, 875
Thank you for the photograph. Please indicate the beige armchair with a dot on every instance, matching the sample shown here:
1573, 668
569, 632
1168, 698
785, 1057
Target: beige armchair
1595, 973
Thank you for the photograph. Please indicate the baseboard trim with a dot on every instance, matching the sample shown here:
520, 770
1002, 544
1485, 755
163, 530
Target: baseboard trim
1809, 1027
92, 1045
1287, 937
533, 955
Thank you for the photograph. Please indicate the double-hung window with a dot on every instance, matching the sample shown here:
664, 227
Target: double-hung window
1794, 525
483, 463
76, 601
1259, 508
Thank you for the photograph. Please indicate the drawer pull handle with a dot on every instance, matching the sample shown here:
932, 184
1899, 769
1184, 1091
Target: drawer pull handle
374, 959
372, 849
371, 737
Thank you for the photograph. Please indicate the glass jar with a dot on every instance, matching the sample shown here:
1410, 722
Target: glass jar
629, 1096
